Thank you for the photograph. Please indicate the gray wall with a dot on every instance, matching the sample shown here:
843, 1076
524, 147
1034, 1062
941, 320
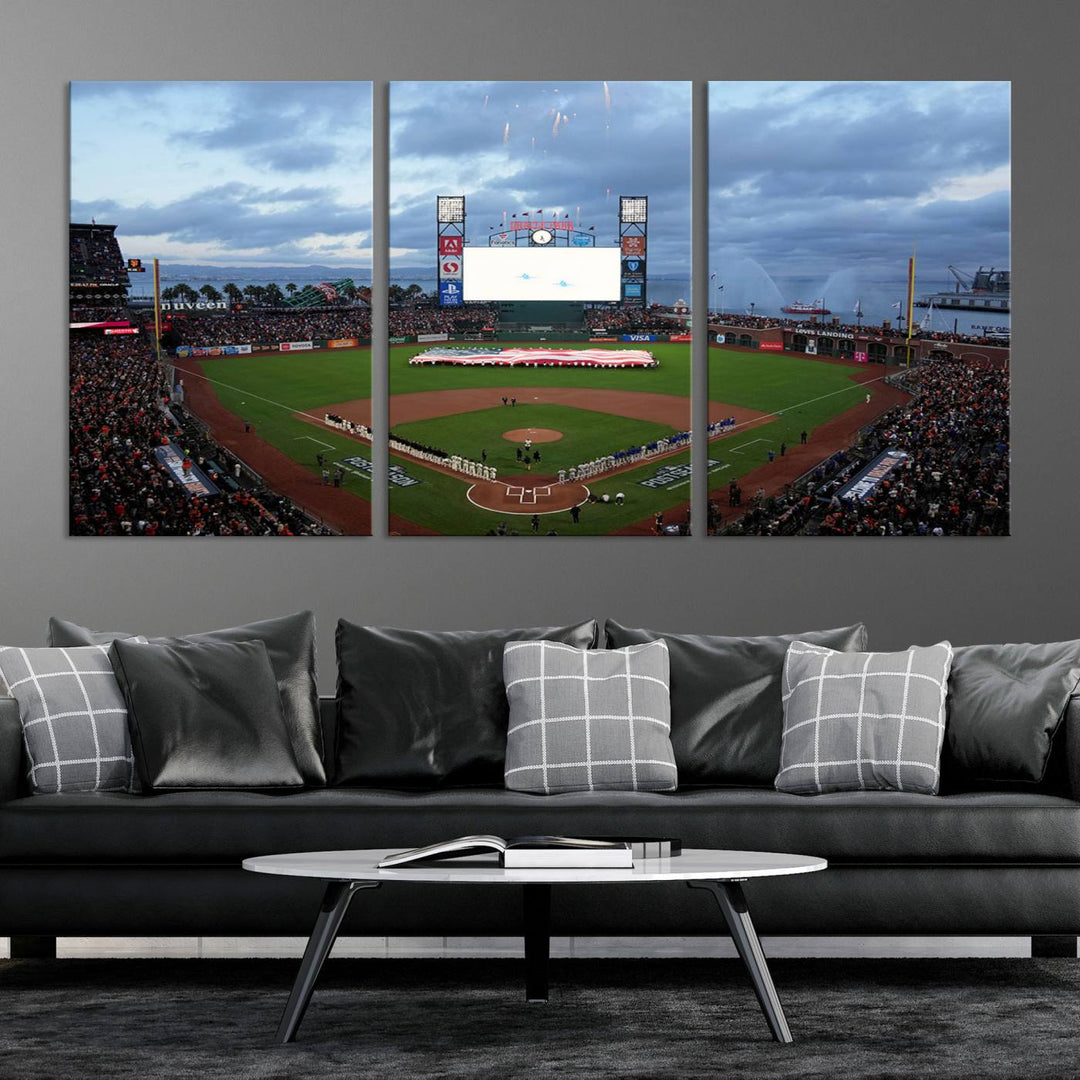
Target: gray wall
1020, 588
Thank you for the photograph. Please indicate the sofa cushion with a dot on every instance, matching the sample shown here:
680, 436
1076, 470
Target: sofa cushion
424, 709
205, 715
1005, 704
227, 826
588, 719
863, 721
290, 644
74, 720
726, 712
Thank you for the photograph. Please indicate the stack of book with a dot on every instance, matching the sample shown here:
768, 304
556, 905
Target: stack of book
536, 852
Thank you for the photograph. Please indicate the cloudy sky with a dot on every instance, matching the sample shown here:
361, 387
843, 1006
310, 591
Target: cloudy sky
814, 178
226, 173
562, 147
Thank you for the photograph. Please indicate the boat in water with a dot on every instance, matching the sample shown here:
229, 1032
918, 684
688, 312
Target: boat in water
988, 289
815, 307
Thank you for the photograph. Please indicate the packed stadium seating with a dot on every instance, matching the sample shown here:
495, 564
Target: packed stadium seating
421, 319
632, 321
120, 411
955, 483
95, 255
251, 326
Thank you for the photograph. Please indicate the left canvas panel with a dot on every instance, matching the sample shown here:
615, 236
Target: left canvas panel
220, 286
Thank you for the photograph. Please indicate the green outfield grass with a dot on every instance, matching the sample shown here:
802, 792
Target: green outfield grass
804, 393
256, 387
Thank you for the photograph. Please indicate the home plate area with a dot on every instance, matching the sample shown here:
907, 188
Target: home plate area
527, 495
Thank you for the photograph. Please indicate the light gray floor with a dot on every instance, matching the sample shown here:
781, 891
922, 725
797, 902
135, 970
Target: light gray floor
209, 947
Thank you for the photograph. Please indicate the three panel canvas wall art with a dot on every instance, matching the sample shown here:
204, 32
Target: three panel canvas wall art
540, 309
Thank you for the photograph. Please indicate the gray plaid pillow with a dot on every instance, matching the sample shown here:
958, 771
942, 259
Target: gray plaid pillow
74, 719
588, 719
863, 721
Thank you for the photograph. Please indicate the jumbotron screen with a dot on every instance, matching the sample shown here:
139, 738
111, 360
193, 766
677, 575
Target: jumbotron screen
532, 273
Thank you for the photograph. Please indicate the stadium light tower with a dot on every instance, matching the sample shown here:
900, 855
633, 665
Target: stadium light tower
633, 239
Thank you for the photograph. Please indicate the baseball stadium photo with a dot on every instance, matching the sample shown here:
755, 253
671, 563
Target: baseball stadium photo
220, 288
539, 309
859, 308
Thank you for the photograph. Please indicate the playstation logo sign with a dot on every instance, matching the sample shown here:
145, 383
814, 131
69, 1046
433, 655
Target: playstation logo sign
449, 294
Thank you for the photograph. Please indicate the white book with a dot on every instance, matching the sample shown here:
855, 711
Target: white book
523, 851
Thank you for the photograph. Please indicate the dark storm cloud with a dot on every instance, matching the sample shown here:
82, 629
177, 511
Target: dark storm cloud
445, 140
850, 175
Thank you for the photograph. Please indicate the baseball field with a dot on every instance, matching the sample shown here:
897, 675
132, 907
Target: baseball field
569, 415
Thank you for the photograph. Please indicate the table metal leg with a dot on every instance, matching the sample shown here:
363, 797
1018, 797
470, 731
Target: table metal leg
334, 905
537, 903
732, 903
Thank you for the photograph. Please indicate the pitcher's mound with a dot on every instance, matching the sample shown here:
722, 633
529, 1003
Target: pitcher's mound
536, 434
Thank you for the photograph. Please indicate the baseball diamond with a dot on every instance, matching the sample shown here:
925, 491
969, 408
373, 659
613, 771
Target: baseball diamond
775, 396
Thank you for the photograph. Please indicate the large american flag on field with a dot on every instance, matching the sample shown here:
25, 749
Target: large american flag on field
608, 358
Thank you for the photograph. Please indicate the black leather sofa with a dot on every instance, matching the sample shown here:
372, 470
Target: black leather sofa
991, 862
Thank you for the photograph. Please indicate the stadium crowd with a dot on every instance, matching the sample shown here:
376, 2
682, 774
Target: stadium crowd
105, 312
120, 411
632, 320
95, 256
253, 327
473, 318
954, 483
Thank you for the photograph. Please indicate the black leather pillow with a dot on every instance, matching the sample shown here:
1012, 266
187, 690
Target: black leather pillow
1005, 704
726, 709
290, 645
205, 715
427, 709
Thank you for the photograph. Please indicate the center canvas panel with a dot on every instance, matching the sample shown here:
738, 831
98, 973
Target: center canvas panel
539, 309
220, 269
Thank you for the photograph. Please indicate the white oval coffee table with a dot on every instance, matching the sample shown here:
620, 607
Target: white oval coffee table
720, 872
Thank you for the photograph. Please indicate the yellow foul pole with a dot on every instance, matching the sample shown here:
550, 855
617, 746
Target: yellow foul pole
910, 305
157, 311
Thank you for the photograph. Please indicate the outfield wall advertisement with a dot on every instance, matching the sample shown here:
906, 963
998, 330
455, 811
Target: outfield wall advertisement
212, 350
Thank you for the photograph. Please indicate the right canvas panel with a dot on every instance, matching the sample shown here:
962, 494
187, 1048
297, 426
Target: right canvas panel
859, 308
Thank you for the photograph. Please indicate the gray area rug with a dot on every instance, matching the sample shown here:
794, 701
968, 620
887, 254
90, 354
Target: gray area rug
207, 1019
